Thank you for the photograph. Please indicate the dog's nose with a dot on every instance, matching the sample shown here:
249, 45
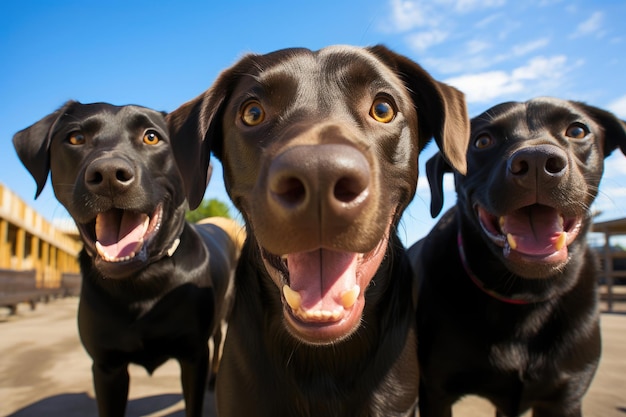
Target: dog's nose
109, 176
326, 182
538, 165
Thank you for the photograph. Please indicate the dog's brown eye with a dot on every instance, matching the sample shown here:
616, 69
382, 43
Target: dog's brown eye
483, 141
76, 138
382, 111
577, 131
151, 138
252, 113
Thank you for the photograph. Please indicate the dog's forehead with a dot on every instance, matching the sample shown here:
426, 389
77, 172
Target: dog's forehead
347, 66
542, 113
142, 116
99, 115
549, 111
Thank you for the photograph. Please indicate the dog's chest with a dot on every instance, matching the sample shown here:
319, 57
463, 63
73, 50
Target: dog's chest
524, 354
509, 357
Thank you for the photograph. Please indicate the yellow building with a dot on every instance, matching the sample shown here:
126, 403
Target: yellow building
29, 242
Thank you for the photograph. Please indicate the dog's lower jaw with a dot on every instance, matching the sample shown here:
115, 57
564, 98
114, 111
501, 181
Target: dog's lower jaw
332, 318
122, 267
532, 247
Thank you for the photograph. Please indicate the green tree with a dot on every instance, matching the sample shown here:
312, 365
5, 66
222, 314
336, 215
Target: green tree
208, 208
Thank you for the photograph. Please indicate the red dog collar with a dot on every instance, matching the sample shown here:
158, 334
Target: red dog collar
478, 282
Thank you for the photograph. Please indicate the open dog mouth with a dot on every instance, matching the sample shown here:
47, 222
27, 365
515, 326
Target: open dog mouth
121, 237
323, 290
538, 232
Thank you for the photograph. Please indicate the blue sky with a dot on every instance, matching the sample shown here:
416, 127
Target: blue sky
161, 54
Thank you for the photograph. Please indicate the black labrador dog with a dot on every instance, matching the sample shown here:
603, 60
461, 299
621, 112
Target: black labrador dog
508, 303
320, 155
152, 285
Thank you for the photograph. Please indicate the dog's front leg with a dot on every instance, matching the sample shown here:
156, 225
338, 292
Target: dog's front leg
194, 375
111, 385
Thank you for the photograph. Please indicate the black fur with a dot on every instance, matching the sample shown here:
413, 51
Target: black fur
166, 300
320, 155
525, 334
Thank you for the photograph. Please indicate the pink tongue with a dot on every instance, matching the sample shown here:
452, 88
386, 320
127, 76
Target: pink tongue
320, 276
120, 232
535, 229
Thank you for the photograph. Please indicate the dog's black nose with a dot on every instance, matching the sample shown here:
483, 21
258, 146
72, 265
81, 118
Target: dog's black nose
325, 181
109, 176
536, 165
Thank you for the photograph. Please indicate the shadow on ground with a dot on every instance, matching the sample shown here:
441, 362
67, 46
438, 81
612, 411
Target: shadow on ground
75, 405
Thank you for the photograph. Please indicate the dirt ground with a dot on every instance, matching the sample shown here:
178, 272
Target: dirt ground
44, 371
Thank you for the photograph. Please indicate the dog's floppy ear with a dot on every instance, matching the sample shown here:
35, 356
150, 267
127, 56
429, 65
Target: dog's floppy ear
441, 109
191, 145
436, 167
33, 146
195, 130
614, 128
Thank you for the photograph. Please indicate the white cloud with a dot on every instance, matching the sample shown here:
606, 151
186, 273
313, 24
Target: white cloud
407, 15
592, 25
544, 3
526, 48
486, 86
541, 67
619, 108
473, 57
486, 22
476, 46
464, 6
421, 41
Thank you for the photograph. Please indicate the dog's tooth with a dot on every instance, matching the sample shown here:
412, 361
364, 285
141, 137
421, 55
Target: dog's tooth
511, 239
561, 221
172, 248
560, 241
293, 298
348, 297
100, 249
327, 315
103, 254
146, 223
99, 225
501, 221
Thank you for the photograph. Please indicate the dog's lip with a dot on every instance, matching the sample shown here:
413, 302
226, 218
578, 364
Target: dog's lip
327, 308
119, 236
535, 233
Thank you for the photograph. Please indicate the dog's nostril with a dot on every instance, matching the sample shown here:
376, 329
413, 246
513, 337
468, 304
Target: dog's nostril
519, 167
290, 190
94, 177
347, 189
555, 165
123, 175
